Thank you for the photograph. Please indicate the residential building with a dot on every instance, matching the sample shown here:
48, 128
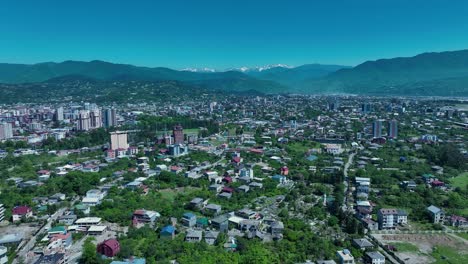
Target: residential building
178, 133
374, 257
345, 257
194, 235
57, 258
392, 129
211, 236
168, 232
189, 219
2, 212
458, 221
391, 218
20, 212
3, 255
362, 243
130, 261
213, 208
377, 129
366, 108
59, 114
109, 117
11, 239
145, 216
196, 203
437, 215
6, 131
119, 140
221, 223
109, 248
67, 219
88, 221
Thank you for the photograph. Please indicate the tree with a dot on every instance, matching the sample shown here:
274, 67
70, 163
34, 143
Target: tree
89, 255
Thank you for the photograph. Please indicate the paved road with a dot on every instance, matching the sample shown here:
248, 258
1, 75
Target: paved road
32, 241
346, 180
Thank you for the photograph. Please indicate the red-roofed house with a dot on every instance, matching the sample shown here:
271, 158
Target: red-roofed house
284, 171
227, 189
21, 211
236, 160
109, 248
437, 183
227, 180
458, 221
256, 151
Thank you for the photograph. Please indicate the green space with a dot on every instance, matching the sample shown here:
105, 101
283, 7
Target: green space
405, 247
463, 235
460, 181
444, 254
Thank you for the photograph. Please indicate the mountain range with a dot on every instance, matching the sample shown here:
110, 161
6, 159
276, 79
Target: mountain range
438, 74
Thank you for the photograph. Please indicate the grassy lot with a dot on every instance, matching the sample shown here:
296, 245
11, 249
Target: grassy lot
170, 194
191, 131
405, 247
444, 254
464, 235
460, 181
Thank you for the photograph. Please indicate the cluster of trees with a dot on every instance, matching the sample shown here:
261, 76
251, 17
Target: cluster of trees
149, 125
91, 138
299, 244
446, 155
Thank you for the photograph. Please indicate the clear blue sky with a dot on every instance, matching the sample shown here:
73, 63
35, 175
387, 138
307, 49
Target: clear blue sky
228, 33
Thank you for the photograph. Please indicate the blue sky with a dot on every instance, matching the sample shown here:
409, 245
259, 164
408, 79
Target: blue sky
228, 33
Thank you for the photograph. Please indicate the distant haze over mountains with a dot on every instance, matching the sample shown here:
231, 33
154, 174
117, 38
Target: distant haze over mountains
440, 74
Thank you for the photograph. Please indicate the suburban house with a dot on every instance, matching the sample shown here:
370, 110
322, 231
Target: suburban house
20, 212
374, 257
67, 219
362, 243
213, 209
221, 223
458, 221
196, 203
345, 257
211, 236
143, 216
109, 248
167, 232
194, 235
437, 215
189, 219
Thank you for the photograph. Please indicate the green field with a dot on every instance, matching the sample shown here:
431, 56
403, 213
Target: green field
460, 181
444, 254
405, 247
463, 235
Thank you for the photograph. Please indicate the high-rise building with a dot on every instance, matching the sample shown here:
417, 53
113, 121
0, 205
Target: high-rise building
178, 133
83, 123
95, 118
2, 212
119, 140
6, 131
59, 114
392, 129
333, 104
366, 108
377, 129
110, 117
89, 119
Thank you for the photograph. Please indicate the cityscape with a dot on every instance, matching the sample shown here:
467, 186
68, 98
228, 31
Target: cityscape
204, 159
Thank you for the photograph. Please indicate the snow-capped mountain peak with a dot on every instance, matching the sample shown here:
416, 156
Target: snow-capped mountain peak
260, 68
199, 69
